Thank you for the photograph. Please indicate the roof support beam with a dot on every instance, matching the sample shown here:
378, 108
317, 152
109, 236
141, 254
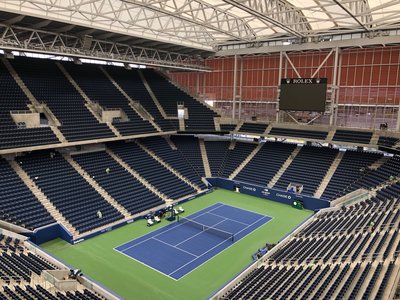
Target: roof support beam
202, 14
121, 17
276, 12
32, 40
356, 9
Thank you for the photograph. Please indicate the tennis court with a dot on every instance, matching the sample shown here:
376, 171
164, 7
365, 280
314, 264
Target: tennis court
180, 247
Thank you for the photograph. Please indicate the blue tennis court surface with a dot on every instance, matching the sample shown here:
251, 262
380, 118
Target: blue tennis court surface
179, 248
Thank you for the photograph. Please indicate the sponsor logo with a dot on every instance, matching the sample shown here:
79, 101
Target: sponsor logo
302, 80
265, 192
130, 221
249, 188
78, 241
282, 196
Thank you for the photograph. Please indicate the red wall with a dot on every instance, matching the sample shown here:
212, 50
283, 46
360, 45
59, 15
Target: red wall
367, 76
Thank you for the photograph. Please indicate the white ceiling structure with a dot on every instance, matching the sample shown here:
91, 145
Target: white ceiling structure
177, 30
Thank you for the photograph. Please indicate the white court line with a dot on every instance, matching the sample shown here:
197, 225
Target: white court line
220, 205
144, 264
164, 231
214, 248
252, 211
229, 219
200, 232
191, 254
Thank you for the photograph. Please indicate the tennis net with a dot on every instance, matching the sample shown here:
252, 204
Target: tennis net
218, 232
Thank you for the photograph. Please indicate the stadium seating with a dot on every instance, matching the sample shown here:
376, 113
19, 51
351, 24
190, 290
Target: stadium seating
101, 90
361, 137
387, 141
253, 127
235, 157
353, 166
19, 265
216, 153
201, 118
175, 159
118, 183
48, 84
309, 158
132, 84
189, 147
13, 99
227, 127
17, 203
71, 194
305, 134
161, 178
338, 255
264, 165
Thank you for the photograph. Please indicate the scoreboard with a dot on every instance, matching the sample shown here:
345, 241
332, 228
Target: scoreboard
303, 94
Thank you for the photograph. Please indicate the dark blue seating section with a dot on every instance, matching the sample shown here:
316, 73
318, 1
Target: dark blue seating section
71, 194
18, 205
201, 118
119, 184
308, 168
216, 153
132, 84
17, 263
266, 163
253, 127
360, 137
174, 158
100, 89
48, 84
300, 133
353, 166
12, 98
235, 157
149, 168
375, 177
387, 141
338, 253
227, 127
190, 149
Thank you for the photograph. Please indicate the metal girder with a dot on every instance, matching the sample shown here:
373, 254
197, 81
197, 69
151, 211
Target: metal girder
120, 17
203, 14
359, 10
55, 43
276, 12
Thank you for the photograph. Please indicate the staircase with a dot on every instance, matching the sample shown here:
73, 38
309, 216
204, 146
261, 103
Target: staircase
89, 102
239, 124
130, 100
217, 124
330, 135
136, 175
97, 187
155, 100
268, 129
58, 134
377, 164
182, 124
374, 138
332, 169
204, 156
34, 101
283, 168
246, 161
20, 83
169, 168
170, 143
54, 212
